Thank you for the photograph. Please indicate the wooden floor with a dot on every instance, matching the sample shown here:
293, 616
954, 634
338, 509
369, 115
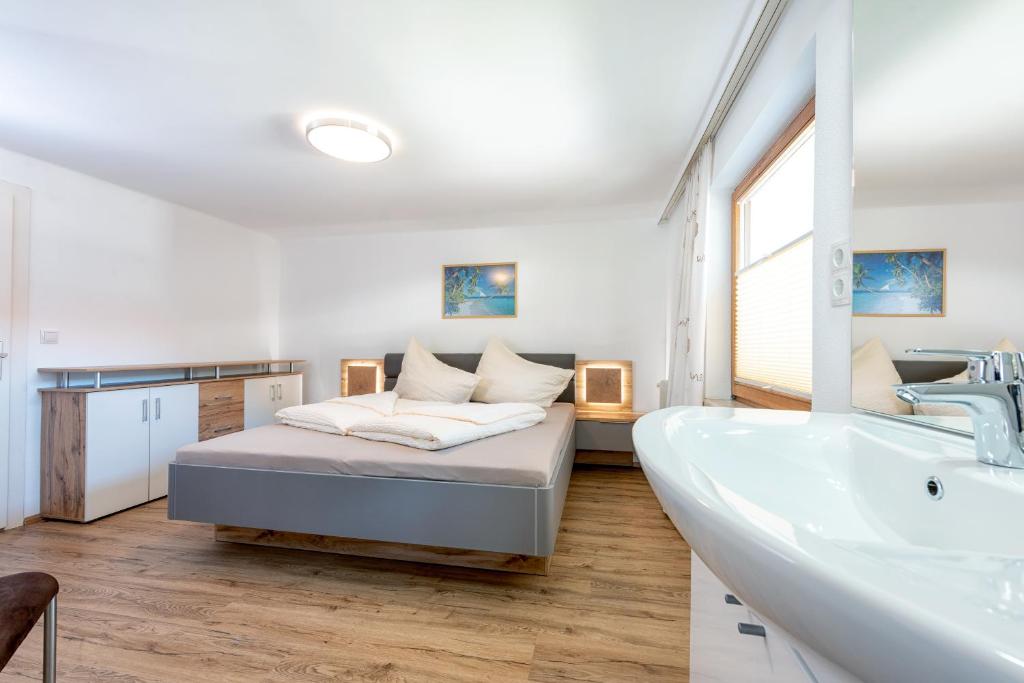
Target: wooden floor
146, 599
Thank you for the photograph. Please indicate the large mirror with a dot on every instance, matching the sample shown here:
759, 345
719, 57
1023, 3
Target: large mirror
938, 220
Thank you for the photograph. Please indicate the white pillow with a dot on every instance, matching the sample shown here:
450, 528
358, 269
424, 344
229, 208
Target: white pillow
873, 376
1004, 344
425, 378
507, 378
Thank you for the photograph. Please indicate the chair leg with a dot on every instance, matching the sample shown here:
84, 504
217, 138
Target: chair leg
50, 642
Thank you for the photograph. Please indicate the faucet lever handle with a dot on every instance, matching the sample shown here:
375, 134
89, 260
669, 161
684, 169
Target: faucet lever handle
983, 366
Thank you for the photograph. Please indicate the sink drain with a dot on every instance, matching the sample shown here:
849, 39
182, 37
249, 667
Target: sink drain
934, 488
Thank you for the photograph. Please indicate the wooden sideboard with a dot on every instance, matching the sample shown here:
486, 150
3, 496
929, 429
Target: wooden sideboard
105, 446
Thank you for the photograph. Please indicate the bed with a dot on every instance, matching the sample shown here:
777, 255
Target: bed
495, 503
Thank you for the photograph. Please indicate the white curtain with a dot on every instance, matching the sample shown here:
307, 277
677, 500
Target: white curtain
686, 356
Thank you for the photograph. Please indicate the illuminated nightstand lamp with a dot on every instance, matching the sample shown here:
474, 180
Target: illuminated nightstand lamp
604, 412
604, 386
363, 376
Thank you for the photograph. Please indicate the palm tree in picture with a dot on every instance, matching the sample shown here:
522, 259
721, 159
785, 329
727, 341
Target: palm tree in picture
922, 271
861, 274
457, 283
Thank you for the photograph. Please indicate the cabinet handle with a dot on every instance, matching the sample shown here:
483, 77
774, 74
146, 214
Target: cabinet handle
221, 398
222, 429
751, 630
145, 410
279, 395
272, 392
156, 407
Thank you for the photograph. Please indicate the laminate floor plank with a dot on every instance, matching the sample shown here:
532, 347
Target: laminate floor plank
148, 599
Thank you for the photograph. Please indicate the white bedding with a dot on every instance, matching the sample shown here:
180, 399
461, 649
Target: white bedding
337, 415
428, 425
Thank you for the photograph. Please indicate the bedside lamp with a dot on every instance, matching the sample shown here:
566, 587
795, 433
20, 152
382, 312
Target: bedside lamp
362, 376
604, 385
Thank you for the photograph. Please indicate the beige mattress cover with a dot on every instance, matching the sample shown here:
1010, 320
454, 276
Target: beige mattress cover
527, 457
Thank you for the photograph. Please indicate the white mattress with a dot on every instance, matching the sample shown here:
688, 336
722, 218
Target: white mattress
527, 457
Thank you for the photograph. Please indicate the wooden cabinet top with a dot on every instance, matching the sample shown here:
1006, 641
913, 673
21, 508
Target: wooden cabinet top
169, 366
607, 416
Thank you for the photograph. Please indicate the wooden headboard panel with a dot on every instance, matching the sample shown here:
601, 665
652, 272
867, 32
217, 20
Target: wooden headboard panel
469, 361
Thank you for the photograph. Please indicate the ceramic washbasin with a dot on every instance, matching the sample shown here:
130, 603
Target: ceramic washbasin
884, 546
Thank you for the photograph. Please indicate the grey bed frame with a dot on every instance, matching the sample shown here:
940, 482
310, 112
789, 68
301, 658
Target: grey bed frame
520, 520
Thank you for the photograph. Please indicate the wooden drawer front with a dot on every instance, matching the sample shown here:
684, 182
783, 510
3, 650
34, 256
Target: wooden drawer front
219, 423
217, 395
221, 408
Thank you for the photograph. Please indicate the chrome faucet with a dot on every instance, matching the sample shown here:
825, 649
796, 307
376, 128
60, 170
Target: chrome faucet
993, 397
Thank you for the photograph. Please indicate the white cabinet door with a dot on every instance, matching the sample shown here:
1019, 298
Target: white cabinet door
117, 451
174, 422
718, 652
260, 401
289, 391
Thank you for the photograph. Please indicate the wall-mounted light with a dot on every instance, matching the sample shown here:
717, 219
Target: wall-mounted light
363, 376
604, 385
349, 140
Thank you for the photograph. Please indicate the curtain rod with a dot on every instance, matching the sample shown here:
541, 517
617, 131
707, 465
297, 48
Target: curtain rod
763, 30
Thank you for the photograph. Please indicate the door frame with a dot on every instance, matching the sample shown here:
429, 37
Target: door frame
19, 354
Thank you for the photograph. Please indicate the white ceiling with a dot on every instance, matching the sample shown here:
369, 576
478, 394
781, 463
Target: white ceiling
497, 107
938, 101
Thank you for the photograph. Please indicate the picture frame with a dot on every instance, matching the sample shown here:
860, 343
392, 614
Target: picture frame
899, 283
480, 290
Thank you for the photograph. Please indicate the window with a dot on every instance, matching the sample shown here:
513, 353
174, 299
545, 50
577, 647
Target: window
773, 221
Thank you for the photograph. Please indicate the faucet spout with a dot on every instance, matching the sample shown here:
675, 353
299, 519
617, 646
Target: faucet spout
993, 399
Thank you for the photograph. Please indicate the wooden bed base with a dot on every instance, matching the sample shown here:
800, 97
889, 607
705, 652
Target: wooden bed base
456, 557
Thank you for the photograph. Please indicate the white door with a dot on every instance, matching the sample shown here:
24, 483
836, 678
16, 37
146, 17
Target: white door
289, 391
260, 402
174, 423
116, 450
6, 282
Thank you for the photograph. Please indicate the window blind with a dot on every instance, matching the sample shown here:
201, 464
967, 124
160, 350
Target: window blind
772, 342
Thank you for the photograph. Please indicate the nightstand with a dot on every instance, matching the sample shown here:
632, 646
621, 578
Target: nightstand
605, 438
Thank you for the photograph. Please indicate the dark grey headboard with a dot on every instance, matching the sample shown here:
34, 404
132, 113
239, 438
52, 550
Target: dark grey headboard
469, 361
928, 370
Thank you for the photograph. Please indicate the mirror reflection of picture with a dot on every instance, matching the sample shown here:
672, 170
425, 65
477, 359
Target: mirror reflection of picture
479, 290
899, 283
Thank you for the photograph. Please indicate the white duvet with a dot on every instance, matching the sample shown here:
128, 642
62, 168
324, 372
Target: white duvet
427, 425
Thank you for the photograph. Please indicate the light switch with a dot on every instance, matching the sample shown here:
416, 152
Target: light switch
49, 336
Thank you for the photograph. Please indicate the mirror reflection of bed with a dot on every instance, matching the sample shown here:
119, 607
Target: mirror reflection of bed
938, 197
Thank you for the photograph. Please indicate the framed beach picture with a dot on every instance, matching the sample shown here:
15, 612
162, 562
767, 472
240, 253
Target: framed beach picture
901, 283
479, 290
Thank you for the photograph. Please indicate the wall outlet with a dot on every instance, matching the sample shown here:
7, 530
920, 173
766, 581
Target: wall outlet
49, 336
839, 290
840, 261
839, 256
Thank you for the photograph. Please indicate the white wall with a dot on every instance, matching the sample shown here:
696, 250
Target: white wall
809, 54
128, 278
984, 243
596, 289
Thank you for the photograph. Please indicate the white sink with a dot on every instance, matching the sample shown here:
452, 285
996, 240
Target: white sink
823, 523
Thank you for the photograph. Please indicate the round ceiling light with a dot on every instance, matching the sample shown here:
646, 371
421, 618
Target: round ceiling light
349, 140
